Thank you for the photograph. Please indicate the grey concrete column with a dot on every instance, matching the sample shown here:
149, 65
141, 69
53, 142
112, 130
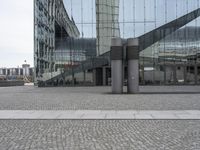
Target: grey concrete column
133, 65
117, 65
104, 76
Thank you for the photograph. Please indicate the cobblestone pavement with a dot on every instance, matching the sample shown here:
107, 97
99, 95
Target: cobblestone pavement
90, 98
99, 135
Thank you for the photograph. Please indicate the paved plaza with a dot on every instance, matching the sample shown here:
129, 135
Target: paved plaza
98, 98
153, 120
99, 135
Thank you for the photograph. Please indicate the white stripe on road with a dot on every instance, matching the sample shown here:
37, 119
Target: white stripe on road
100, 114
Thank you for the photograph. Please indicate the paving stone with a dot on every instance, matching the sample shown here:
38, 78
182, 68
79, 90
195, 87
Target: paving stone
100, 134
97, 98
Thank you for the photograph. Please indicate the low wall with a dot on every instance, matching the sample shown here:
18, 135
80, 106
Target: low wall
11, 83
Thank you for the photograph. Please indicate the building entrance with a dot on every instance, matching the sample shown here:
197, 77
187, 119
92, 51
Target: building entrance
182, 74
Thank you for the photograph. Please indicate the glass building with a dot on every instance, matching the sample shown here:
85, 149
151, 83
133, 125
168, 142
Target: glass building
73, 39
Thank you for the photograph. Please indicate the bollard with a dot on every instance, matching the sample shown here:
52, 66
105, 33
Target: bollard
133, 65
117, 66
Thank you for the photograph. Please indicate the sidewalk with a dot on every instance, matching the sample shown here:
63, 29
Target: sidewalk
102, 115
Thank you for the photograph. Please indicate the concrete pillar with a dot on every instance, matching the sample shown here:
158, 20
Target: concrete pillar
104, 76
133, 65
117, 66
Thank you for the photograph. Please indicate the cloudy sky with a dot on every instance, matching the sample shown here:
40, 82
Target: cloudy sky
16, 32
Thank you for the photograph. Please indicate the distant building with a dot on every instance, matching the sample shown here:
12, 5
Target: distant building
19, 73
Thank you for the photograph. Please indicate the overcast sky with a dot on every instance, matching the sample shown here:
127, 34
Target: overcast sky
16, 32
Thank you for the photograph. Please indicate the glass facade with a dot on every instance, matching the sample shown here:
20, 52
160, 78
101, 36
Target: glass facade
93, 23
